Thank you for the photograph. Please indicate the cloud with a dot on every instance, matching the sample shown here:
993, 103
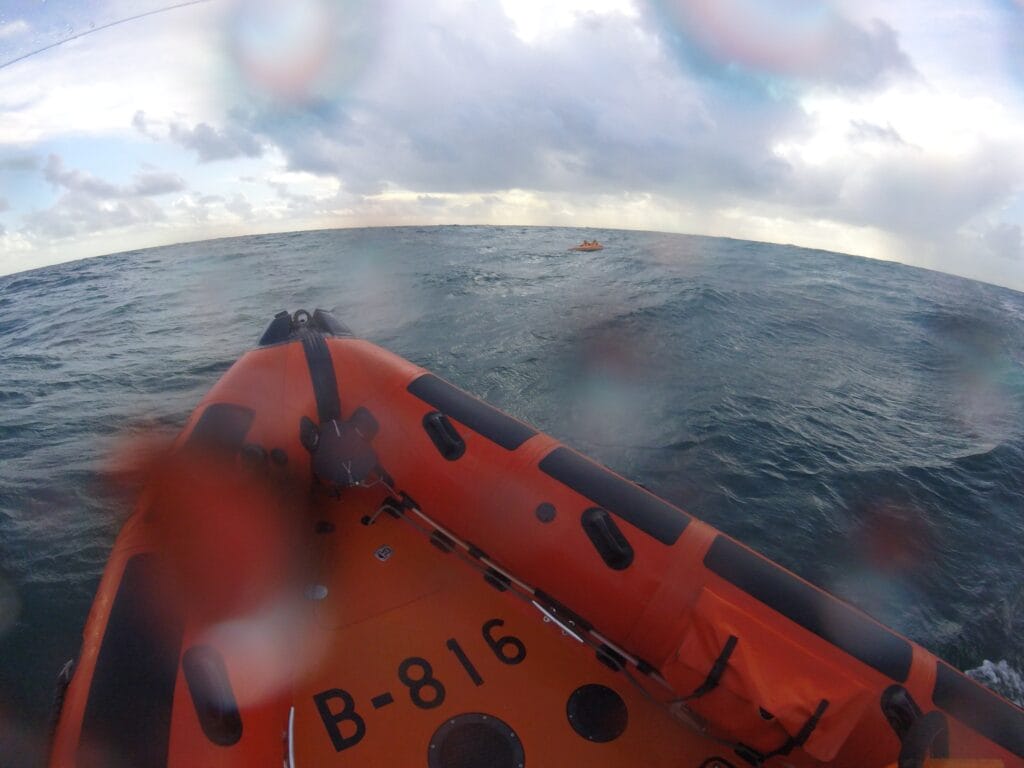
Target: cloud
4, 205
925, 195
77, 181
18, 161
140, 124
863, 130
207, 142
78, 213
239, 206
457, 111
1006, 241
145, 184
212, 144
198, 208
90, 204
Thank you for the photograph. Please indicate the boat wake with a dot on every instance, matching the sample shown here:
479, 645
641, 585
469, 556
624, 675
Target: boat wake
1001, 678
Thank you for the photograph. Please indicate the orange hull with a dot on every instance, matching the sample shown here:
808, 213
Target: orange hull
348, 561
587, 248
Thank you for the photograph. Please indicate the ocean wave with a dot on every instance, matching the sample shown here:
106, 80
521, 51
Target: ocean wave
1001, 678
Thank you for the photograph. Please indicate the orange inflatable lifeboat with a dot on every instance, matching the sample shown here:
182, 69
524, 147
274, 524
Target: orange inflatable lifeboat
346, 560
588, 245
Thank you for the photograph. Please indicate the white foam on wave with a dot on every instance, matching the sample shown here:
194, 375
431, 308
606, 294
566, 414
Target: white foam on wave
1001, 678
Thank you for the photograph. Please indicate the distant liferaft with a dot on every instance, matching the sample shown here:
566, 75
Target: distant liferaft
588, 245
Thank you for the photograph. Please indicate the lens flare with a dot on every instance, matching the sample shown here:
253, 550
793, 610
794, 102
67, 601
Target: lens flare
786, 37
301, 50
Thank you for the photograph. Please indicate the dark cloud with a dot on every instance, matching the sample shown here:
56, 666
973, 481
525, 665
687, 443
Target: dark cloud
212, 144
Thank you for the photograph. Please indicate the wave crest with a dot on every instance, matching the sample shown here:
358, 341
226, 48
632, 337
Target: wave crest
1001, 678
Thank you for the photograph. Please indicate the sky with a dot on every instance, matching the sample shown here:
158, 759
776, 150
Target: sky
891, 130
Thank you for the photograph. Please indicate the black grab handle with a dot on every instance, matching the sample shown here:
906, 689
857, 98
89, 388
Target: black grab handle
442, 434
607, 539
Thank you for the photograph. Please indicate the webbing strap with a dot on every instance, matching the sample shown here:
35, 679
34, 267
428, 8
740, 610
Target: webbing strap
803, 735
321, 374
715, 675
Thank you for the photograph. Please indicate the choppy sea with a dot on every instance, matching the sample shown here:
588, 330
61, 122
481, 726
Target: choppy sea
860, 422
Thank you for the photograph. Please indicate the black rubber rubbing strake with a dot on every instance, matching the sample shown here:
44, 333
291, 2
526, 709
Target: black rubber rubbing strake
814, 610
620, 497
979, 709
475, 414
127, 717
321, 374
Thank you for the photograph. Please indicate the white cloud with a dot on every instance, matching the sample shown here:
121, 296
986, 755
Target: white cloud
89, 204
239, 206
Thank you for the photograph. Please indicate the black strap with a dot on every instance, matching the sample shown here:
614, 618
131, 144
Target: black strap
803, 735
321, 374
717, 670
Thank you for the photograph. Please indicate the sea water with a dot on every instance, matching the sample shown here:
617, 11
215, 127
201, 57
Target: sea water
858, 421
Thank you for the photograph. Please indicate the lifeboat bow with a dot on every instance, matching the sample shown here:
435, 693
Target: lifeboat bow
346, 560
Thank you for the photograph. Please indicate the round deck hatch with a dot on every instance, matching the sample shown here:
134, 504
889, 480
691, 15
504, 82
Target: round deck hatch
475, 740
597, 713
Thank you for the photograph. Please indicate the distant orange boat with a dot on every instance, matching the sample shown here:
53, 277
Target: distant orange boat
588, 245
